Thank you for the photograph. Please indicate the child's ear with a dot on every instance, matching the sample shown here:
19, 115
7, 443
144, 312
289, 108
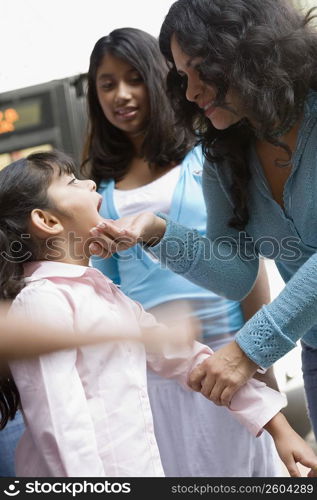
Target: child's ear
44, 223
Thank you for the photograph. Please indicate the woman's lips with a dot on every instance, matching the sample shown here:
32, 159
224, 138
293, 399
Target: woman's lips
209, 109
126, 113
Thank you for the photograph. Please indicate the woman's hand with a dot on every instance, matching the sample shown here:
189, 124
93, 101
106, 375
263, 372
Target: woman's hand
221, 375
115, 235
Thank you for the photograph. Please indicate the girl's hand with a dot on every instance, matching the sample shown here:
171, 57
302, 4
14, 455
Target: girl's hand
291, 448
221, 375
115, 235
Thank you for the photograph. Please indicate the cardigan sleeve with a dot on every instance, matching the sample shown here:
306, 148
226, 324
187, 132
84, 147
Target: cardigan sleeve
225, 261
274, 330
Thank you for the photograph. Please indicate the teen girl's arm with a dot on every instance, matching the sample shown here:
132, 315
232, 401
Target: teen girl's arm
22, 339
52, 396
260, 295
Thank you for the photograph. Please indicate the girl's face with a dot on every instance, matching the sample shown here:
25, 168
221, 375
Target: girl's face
123, 95
204, 94
77, 204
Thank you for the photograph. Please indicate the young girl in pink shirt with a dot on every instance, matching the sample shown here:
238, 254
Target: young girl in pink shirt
86, 409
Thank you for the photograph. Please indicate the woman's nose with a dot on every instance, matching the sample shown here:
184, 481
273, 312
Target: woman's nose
194, 89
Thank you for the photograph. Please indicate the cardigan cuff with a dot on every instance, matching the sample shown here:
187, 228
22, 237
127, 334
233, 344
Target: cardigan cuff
262, 340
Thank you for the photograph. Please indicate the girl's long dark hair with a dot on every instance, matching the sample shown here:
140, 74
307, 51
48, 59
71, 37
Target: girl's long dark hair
23, 187
108, 151
264, 50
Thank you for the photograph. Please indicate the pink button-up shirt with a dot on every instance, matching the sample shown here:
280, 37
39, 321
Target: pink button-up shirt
86, 410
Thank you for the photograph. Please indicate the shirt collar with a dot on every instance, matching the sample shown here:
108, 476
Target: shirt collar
34, 271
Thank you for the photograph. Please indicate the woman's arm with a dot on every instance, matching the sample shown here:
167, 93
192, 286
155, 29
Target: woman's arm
277, 326
224, 261
265, 338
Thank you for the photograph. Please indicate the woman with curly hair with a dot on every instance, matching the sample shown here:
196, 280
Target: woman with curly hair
243, 77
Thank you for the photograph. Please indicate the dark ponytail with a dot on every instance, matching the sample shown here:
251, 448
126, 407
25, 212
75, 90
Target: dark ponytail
9, 399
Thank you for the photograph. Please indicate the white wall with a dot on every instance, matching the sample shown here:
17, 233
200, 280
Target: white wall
304, 4
43, 39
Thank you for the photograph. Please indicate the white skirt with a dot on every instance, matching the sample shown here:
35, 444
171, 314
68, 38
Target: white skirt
197, 438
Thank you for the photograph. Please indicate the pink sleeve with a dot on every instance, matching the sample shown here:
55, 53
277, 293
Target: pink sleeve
254, 404
53, 399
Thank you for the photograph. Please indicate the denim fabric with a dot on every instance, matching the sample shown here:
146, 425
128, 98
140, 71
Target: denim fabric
9, 438
309, 367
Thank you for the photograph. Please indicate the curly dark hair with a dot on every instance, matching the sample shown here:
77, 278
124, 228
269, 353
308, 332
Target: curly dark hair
108, 151
266, 51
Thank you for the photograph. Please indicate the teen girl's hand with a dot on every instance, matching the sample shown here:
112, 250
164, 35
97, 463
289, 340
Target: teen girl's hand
221, 375
115, 235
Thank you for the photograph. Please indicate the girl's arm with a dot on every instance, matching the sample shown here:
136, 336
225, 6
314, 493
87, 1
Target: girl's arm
291, 447
253, 405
